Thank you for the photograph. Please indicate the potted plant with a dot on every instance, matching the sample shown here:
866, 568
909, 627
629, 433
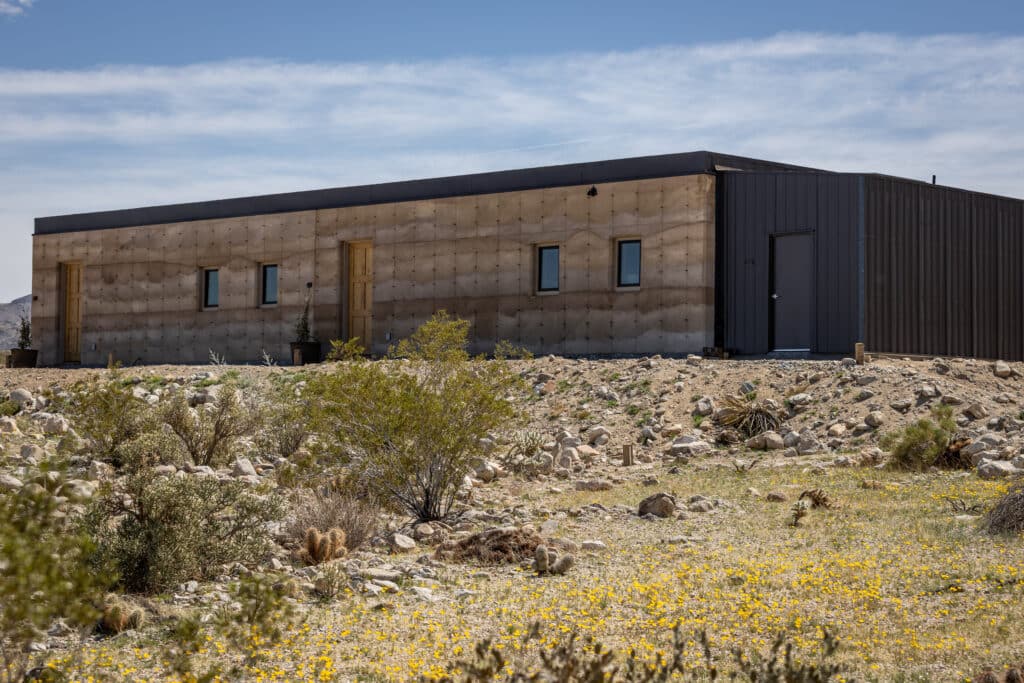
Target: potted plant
23, 356
305, 349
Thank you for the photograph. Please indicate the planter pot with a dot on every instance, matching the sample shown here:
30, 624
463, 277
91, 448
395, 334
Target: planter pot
23, 358
305, 352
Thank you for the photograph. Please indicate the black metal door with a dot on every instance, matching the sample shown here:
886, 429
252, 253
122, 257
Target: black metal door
793, 291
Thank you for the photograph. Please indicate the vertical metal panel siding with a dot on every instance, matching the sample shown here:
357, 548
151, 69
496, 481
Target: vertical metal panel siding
753, 207
944, 272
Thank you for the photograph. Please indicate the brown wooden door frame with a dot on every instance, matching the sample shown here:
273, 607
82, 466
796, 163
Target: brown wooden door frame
358, 315
71, 312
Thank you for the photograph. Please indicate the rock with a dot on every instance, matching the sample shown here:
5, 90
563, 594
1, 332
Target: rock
594, 485
808, 444
380, 574
902, 405
659, 504
597, 435
996, 469
773, 441
53, 424
872, 456
562, 565
705, 406
23, 397
755, 443
748, 388
865, 394
791, 439
874, 419
843, 461
593, 546
100, 470
976, 411
423, 532
8, 482
401, 543
8, 425
688, 446
800, 400
243, 467
1002, 369
672, 431
927, 391
775, 497
701, 505
790, 452
424, 594
78, 490
33, 452
837, 430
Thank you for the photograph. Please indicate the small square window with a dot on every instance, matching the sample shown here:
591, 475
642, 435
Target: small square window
211, 288
628, 266
269, 285
547, 269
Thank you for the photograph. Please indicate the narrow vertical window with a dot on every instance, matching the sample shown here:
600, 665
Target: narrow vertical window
211, 288
269, 284
547, 269
628, 267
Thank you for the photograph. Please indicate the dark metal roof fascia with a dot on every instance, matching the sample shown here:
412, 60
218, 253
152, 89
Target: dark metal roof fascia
590, 173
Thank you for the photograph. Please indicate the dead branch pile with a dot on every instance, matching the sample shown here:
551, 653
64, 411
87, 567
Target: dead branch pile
1007, 515
501, 545
750, 418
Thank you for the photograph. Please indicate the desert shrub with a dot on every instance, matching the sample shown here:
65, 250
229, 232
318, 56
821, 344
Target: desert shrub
43, 576
345, 350
492, 546
358, 518
256, 620
161, 531
283, 427
107, 415
747, 416
159, 446
9, 408
119, 615
922, 442
1007, 515
411, 430
569, 658
210, 432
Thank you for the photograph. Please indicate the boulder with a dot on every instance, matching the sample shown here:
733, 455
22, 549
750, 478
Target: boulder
773, 441
8, 425
808, 444
9, 482
874, 419
658, 504
597, 435
1002, 369
976, 411
996, 469
401, 543
23, 397
705, 406
243, 467
31, 452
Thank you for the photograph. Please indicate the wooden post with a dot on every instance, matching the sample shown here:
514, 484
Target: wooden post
858, 353
627, 455
110, 360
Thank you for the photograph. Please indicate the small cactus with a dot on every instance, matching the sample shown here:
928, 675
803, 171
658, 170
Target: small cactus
323, 547
799, 511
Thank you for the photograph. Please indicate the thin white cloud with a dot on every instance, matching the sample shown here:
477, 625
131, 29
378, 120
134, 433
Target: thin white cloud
119, 136
14, 7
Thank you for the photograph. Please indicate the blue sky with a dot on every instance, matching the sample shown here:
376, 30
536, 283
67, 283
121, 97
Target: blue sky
108, 104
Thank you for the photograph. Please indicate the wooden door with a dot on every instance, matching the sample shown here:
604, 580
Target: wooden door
360, 293
72, 313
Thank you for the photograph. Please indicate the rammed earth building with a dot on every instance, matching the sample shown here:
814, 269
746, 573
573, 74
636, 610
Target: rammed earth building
667, 254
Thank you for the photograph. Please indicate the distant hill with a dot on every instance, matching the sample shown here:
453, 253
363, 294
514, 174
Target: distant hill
10, 314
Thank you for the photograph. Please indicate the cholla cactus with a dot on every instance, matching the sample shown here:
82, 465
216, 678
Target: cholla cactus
119, 616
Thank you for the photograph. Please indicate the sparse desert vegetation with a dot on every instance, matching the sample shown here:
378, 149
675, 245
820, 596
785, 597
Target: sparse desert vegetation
441, 517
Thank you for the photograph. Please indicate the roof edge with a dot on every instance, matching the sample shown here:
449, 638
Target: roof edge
492, 182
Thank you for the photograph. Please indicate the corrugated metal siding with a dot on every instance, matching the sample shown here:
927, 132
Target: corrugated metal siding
944, 271
754, 206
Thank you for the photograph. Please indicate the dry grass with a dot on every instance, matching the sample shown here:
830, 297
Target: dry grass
357, 519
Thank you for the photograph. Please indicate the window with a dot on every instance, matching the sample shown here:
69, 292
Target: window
547, 269
211, 288
269, 286
628, 269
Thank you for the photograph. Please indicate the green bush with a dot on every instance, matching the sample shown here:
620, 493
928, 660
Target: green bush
410, 430
43, 576
284, 428
210, 432
922, 442
161, 531
9, 408
107, 416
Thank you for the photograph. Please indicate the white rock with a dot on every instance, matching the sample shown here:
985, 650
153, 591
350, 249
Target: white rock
593, 546
996, 469
8, 482
243, 467
1002, 369
23, 397
597, 435
401, 543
